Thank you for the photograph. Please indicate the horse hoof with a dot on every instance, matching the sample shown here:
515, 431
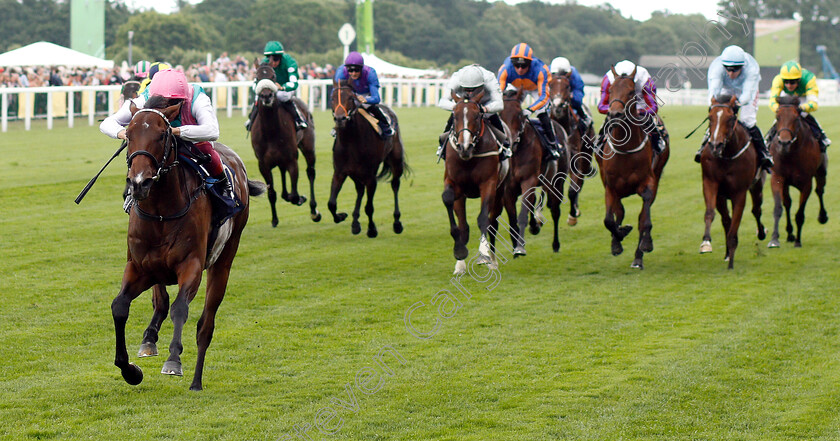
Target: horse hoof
572, 221
196, 387
761, 233
646, 245
519, 251
797, 244
637, 264
534, 229
371, 233
147, 349
339, 218
493, 266
624, 230
774, 243
172, 368
791, 238
726, 259
356, 228
483, 259
460, 267
274, 223
315, 217
823, 218
398, 227
556, 247
706, 247
300, 200
132, 374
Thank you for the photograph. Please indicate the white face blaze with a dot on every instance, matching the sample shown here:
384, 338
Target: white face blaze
717, 126
138, 179
465, 134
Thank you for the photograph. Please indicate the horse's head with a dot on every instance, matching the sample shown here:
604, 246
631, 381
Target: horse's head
512, 112
723, 113
130, 89
343, 102
266, 88
151, 146
787, 121
622, 95
560, 94
468, 125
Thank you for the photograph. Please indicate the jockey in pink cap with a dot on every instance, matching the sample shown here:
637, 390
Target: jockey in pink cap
196, 122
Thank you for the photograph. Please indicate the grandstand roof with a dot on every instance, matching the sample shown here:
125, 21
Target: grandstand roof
44, 53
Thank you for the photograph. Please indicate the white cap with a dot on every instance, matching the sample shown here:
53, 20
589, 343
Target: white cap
733, 56
560, 65
471, 76
624, 67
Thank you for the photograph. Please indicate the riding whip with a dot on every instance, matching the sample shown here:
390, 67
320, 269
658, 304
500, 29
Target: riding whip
695, 129
92, 181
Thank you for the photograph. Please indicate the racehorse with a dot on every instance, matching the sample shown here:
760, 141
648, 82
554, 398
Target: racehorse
797, 158
472, 170
626, 166
527, 165
169, 238
730, 169
579, 147
358, 152
276, 143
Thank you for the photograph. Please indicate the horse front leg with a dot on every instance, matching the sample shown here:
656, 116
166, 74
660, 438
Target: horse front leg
645, 244
786, 200
397, 168
710, 192
820, 177
612, 221
307, 147
160, 302
294, 197
726, 220
189, 278
458, 236
804, 193
284, 194
265, 171
335, 188
371, 191
776, 187
355, 226
488, 197
757, 195
133, 284
739, 201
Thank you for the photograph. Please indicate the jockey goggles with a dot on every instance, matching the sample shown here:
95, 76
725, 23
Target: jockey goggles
521, 63
732, 68
354, 68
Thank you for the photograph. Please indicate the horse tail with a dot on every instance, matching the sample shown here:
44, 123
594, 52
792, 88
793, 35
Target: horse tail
256, 188
387, 170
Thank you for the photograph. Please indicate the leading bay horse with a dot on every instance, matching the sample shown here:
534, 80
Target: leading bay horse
527, 164
730, 169
797, 159
579, 147
276, 144
358, 152
472, 170
626, 166
169, 241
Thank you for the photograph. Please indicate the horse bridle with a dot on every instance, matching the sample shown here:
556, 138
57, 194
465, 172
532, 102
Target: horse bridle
518, 136
340, 105
169, 146
734, 113
454, 135
793, 133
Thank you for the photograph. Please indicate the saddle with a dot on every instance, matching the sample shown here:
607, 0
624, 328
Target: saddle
223, 208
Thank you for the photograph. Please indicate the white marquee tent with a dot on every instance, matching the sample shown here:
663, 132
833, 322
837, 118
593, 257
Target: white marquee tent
44, 53
385, 68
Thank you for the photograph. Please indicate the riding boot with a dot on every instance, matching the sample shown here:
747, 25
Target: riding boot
496, 122
655, 136
818, 131
384, 125
702, 145
225, 187
441, 151
583, 118
250, 119
765, 161
300, 122
555, 150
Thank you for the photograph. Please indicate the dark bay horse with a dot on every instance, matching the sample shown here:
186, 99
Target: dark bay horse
169, 241
797, 158
579, 148
358, 152
730, 169
626, 166
276, 144
472, 170
526, 166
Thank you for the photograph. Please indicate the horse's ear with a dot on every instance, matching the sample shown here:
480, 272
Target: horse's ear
568, 75
633, 74
455, 97
132, 107
477, 98
172, 111
732, 101
612, 69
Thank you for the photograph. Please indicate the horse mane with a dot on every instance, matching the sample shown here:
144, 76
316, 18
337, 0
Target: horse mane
792, 100
157, 102
723, 98
510, 93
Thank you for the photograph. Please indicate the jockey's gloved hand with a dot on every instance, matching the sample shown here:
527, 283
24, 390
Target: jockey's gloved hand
527, 112
128, 203
803, 114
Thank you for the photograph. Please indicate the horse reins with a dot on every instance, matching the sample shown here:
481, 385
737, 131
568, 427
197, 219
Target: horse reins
793, 134
170, 145
453, 136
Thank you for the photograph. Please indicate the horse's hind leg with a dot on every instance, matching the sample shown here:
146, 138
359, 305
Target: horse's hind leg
397, 172
335, 188
612, 221
645, 244
554, 206
356, 227
308, 150
739, 201
821, 174
757, 195
160, 302
787, 202
265, 171
777, 212
804, 193
459, 234
515, 230
284, 194
189, 278
133, 285
726, 220
371, 191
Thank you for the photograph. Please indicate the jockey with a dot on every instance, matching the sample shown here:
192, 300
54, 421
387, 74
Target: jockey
286, 76
736, 72
561, 66
646, 104
365, 83
196, 123
525, 72
468, 81
794, 80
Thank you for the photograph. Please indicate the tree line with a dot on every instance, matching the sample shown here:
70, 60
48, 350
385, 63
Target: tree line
418, 33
